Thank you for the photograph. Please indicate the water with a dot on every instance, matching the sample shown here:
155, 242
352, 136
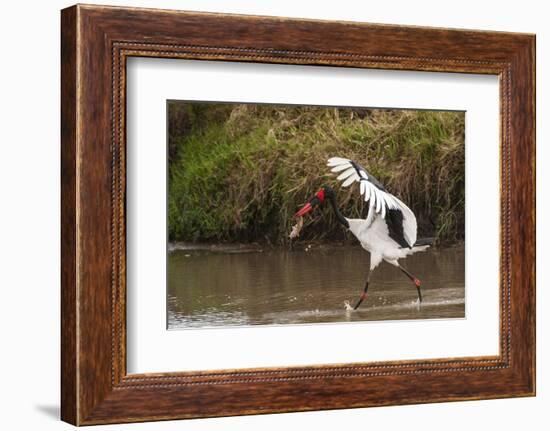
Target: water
217, 286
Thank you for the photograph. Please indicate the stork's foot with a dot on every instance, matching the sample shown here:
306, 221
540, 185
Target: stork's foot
361, 299
417, 284
363, 293
347, 306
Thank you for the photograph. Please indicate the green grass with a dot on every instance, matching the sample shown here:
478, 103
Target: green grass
239, 172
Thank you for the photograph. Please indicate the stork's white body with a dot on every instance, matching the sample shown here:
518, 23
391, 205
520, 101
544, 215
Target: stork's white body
374, 238
373, 232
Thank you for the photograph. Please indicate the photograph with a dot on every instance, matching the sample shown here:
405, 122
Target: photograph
296, 214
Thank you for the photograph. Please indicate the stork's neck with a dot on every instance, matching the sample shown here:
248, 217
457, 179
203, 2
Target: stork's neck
337, 213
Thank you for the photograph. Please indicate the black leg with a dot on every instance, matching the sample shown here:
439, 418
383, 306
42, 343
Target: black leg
364, 293
415, 280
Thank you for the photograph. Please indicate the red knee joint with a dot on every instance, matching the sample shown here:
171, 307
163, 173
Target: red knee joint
363, 296
417, 282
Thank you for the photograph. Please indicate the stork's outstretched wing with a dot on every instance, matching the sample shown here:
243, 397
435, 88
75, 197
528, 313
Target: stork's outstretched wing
400, 219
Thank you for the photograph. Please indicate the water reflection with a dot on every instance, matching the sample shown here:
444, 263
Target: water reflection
221, 287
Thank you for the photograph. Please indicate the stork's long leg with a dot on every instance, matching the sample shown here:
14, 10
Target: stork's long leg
364, 293
415, 280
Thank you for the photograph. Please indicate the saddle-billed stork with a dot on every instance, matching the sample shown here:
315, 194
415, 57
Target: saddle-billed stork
389, 230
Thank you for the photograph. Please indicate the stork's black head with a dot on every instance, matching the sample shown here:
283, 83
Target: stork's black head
319, 198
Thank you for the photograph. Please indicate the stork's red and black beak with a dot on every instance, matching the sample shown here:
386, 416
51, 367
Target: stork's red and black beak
316, 200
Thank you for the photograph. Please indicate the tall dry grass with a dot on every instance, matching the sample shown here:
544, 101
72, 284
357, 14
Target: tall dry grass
239, 172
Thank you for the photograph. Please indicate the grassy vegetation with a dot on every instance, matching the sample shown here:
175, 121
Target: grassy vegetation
239, 172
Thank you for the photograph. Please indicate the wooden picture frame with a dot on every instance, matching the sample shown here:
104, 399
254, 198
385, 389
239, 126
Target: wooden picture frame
95, 43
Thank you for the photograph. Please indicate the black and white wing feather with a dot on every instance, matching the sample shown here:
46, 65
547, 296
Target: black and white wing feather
381, 202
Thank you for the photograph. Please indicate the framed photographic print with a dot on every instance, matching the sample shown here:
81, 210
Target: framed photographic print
265, 215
